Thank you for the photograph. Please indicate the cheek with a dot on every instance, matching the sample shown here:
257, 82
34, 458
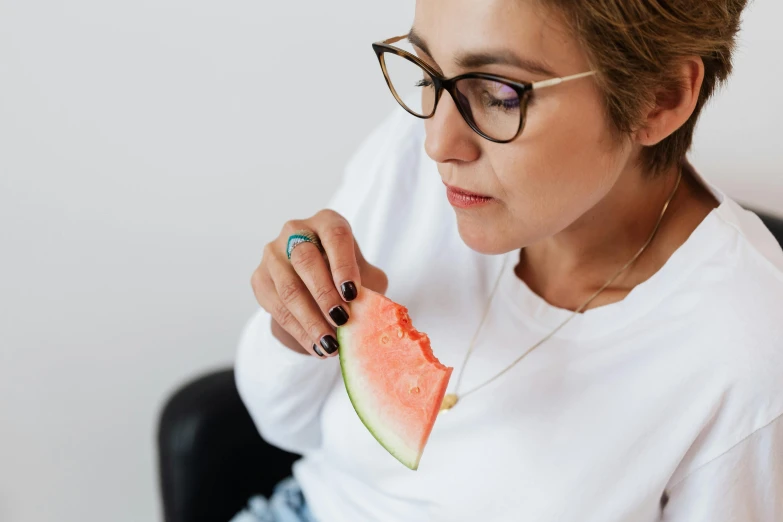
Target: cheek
564, 162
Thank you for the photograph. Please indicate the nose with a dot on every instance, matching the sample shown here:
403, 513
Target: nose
448, 136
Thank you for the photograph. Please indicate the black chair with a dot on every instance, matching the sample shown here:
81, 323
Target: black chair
212, 459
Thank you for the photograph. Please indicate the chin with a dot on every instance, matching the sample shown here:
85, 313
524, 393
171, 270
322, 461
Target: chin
483, 239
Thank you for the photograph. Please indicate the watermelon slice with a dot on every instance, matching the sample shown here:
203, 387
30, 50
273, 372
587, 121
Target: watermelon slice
394, 381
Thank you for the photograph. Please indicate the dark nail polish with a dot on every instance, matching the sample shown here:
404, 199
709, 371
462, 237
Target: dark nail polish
349, 291
329, 344
318, 350
338, 315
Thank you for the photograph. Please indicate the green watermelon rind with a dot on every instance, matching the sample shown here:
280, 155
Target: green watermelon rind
397, 448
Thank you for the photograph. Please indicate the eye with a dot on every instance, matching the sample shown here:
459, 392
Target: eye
501, 98
508, 104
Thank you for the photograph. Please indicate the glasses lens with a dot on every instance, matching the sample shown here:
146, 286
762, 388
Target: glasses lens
407, 79
494, 107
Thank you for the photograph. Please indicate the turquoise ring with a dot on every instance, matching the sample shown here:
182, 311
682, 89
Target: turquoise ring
302, 236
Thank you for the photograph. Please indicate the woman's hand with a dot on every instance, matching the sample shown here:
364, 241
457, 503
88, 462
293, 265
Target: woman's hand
306, 297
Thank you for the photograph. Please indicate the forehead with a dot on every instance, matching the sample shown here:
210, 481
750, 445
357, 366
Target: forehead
525, 27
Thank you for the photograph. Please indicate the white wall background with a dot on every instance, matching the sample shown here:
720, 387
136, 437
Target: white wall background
148, 150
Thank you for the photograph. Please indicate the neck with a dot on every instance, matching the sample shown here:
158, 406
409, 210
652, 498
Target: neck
567, 268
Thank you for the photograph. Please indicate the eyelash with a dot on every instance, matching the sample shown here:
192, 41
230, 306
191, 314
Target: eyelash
427, 83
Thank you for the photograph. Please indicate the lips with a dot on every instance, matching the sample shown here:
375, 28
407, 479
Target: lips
466, 193
464, 199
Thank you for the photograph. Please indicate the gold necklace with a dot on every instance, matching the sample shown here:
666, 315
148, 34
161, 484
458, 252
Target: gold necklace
451, 399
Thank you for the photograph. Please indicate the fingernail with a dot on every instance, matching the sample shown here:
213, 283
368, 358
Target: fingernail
318, 350
329, 344
349, 290
338, 315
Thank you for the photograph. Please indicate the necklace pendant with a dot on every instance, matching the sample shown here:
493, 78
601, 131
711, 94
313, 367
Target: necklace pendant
449, 401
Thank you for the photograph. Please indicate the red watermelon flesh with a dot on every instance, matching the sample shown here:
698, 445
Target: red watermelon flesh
394, 381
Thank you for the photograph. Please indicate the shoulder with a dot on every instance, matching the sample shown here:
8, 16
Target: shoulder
742, 302
743, 279
733, 333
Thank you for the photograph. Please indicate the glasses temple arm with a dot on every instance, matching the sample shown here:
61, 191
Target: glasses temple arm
558, 81
395, 39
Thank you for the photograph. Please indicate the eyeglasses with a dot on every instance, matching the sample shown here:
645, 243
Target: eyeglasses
492, 105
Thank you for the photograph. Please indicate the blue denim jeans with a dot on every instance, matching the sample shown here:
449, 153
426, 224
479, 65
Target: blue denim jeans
287, 504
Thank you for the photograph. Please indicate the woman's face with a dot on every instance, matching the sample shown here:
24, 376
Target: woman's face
565, 160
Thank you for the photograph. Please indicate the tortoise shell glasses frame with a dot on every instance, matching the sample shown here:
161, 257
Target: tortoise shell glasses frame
523, 90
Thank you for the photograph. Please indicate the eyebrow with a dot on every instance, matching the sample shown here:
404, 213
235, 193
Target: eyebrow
474, 60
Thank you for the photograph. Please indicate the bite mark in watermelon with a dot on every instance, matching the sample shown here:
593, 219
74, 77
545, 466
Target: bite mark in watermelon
394, 381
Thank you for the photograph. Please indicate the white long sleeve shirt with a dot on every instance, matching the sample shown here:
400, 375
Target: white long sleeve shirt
674, 393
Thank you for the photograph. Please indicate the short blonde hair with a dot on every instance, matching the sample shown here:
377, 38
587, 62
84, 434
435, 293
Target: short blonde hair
634, 44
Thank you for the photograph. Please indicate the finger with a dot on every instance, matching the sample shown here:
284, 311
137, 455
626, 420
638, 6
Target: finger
312, 269
300, 303
266, 295
338, 242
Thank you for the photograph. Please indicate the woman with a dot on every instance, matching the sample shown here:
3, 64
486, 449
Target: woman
620, 312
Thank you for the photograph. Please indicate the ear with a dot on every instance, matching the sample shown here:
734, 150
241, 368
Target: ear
673, 105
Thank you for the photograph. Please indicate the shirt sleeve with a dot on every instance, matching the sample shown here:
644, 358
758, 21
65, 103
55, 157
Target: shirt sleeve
743, 484
283, 390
